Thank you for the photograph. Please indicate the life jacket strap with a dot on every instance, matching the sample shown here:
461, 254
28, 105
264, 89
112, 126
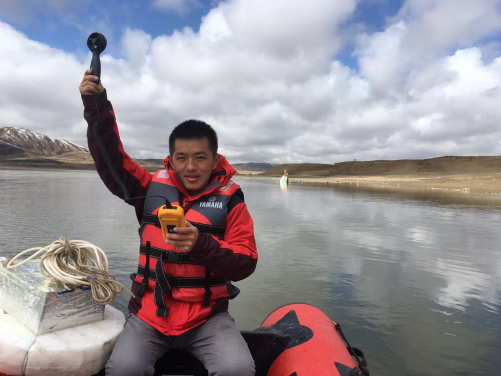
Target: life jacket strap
144, 283
165, 283
151, 219
208, 292
167, 256
211, 230
184, 282
161, 287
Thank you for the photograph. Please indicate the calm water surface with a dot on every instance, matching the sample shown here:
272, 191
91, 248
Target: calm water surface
413, 278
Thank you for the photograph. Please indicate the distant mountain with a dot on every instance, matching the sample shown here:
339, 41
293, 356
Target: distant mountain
23, 147
26, 148
151, 164
152, 161
251, 166
17, 141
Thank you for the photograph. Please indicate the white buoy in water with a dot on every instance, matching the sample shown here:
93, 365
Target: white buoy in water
80, 350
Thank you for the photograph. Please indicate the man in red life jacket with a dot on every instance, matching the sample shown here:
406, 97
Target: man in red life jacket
183, 284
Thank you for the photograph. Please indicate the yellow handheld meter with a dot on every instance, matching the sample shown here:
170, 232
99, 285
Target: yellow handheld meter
171, 217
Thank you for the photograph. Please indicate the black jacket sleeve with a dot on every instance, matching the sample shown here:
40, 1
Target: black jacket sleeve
121, 175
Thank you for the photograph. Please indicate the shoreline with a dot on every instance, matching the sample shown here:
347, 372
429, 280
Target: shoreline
484, 184
481, 184
56, 166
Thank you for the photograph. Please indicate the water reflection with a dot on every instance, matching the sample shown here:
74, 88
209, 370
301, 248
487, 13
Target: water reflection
414, 279
425, 196
284, 185
411, 275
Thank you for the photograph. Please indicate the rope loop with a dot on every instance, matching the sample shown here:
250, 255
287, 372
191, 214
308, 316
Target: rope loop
76, 263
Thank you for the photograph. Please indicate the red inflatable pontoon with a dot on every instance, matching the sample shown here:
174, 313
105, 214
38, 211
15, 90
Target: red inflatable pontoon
316, 347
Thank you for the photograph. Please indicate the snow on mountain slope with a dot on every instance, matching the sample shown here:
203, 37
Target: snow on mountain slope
14, 140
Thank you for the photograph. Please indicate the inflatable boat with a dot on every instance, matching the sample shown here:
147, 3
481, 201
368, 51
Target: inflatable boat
294, 340
47, 331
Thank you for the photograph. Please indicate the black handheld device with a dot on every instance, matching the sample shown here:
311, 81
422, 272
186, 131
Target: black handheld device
97, 44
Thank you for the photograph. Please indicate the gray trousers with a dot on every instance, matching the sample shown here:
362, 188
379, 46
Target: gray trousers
217, 344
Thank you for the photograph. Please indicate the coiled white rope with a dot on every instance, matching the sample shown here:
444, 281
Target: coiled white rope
88, 267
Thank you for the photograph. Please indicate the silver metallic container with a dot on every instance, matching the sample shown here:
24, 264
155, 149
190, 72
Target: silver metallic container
41, 304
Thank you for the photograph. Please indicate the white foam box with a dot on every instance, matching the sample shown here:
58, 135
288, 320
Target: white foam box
41, 304
78, 351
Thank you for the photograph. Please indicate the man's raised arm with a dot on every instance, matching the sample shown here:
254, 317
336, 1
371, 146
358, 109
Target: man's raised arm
123, 177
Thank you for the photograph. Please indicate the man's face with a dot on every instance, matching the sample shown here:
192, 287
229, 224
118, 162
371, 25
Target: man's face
193, 163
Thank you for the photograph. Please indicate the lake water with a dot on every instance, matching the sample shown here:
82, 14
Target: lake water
413, 278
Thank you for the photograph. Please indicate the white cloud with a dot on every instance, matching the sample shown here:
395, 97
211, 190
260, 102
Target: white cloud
39, 86
177, 6
136, 45
265, 75
422, 32
440, 24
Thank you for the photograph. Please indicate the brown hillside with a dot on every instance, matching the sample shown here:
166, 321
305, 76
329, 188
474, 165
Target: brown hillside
300, 169
7, 149
251, 166
441, 165
74, 160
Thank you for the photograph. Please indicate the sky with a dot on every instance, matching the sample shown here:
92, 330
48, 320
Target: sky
281, 81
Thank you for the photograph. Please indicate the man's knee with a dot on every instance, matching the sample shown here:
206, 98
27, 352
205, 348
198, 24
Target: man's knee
136, 351
128, 366
238, 366
221, 348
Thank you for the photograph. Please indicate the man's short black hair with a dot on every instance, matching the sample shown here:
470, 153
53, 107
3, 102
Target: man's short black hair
191, 129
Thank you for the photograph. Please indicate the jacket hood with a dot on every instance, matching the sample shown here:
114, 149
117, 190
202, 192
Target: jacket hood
221, 175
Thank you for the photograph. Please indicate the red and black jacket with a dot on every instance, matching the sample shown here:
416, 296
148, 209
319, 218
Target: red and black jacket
225, 250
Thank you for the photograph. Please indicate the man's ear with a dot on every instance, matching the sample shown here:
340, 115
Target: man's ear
216, 161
